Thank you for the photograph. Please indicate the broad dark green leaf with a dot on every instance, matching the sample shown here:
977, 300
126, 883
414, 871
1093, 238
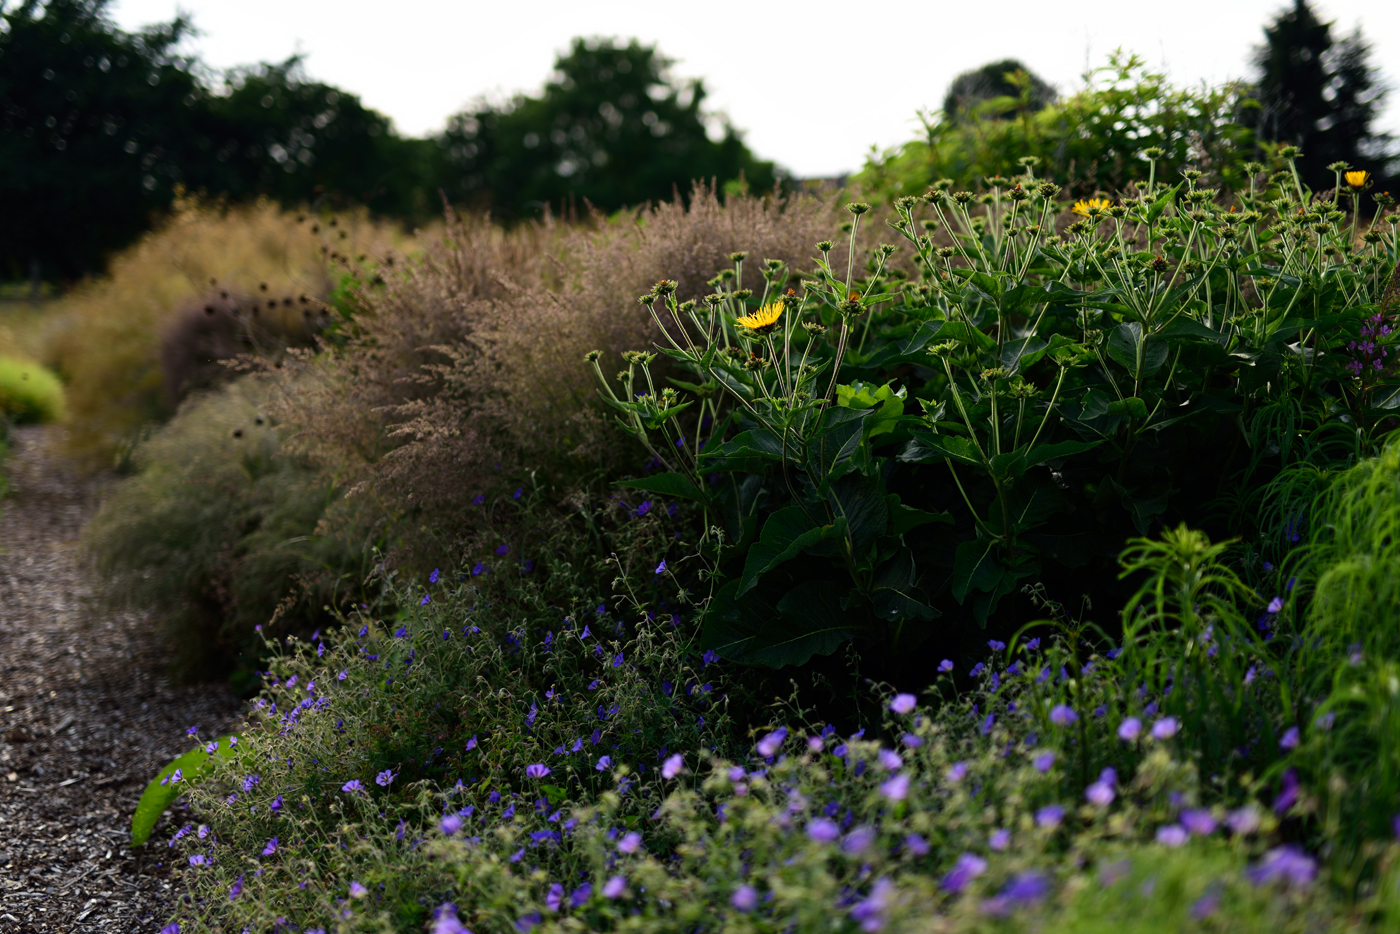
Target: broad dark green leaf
861, 501
904, 518
927, 446
1124, 344
785, 535
975, 568
807, 621
1132, 405
667, 484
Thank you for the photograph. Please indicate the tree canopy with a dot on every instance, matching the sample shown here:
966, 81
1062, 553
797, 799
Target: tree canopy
611, 127
100, 127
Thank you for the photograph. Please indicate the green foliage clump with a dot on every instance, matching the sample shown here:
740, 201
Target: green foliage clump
29, 392
1089, 141
611, 129
220, 532
893, 454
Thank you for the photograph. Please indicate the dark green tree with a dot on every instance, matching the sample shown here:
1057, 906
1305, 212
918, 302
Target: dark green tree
1007, 78
610, 128
98, 127
272, 131
1319, 94
93, 122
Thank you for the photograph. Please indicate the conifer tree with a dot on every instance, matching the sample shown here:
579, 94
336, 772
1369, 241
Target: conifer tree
1320, 94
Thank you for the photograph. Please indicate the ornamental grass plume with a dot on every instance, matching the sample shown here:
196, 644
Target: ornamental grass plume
465, 367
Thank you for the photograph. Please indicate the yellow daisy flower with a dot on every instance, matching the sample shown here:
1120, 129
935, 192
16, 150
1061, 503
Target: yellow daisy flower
1091, 207
1358, 179
763, 320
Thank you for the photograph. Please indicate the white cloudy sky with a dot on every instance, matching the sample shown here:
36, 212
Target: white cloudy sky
813, 85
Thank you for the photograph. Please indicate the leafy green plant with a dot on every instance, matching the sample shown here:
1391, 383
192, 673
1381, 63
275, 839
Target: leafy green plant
1067, 384
435, 765
1089, 140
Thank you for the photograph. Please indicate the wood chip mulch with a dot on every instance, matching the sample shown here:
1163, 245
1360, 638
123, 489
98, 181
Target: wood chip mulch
87, 716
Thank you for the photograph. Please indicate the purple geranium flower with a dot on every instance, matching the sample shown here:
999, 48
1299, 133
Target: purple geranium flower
897, 788
903, 703
672, 766
1287, 864
956, 772
744, 898
616, 887
1172, 835
1199, 822
538, 770
1050, 816
270, 848
945, 665
352, 787
1130, 729
870, 911
357, 890
770, 744
1165, 728
968, 867
1044, 761
1000, 840
823, 830
451, 824
385, 778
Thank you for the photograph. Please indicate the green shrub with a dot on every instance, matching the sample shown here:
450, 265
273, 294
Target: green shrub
29, 393
220, 531
1090, 141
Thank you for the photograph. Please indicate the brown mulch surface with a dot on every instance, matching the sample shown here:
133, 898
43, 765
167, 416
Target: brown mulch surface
87, 716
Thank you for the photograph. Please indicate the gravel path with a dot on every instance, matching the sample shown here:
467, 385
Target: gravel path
87, 716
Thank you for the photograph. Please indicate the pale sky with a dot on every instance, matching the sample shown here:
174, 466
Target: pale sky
812, 85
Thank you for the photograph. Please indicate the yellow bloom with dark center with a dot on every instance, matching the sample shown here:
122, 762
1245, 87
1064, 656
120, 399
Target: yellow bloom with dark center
763, 320
1091, 207
1357, 179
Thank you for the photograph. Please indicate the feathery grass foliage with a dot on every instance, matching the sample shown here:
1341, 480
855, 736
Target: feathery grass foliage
459, 374
114, 338
1348, 572
219, 531
29, 392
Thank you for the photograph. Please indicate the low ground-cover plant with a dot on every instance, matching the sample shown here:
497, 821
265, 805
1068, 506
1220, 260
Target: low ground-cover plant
29, 392
503, 753
222, 530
